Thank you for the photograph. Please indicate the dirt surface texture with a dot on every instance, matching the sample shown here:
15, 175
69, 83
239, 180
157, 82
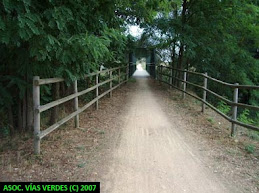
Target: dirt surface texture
151, 155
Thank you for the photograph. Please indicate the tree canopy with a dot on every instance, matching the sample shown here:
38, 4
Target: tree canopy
218, 37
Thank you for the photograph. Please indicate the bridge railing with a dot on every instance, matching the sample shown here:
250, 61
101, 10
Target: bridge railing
235, 89
122, 77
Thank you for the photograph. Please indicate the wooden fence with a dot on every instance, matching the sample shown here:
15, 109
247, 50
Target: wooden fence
38, 109
234, 104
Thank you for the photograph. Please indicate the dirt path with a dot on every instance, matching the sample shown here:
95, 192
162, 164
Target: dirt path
151, 155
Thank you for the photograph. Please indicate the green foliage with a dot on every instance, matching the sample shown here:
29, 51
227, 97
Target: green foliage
244, 117
218, 37
81, 165
250, 148
254, 135
88, 97
45, 92
4, 131
223, 107
211, 120
58, 39
257, 119
132, 80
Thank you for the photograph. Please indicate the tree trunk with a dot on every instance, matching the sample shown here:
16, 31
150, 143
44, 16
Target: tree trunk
10, 118
20, 115
179, 64
29, 110
181, 51
173, 61
29, 102
24, 112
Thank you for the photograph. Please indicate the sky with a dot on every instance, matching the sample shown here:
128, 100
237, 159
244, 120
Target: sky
135, 30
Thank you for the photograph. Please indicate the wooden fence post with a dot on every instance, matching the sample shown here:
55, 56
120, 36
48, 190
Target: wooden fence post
184, 83
110, 83
97, 92
234, 111
205, 85
36, 104
76, 105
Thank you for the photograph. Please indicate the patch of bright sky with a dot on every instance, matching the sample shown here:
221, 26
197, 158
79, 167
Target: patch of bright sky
134, 30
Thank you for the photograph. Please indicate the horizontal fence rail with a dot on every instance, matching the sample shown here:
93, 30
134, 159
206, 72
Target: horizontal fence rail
234, 104
213, 79
122, 77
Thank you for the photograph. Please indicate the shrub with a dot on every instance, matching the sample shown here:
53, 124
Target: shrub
223, 107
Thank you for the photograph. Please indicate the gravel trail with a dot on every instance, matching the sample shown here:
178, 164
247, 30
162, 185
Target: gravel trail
151, 155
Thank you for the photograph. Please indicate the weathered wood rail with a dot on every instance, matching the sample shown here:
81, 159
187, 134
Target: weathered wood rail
234, 104
38, 109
